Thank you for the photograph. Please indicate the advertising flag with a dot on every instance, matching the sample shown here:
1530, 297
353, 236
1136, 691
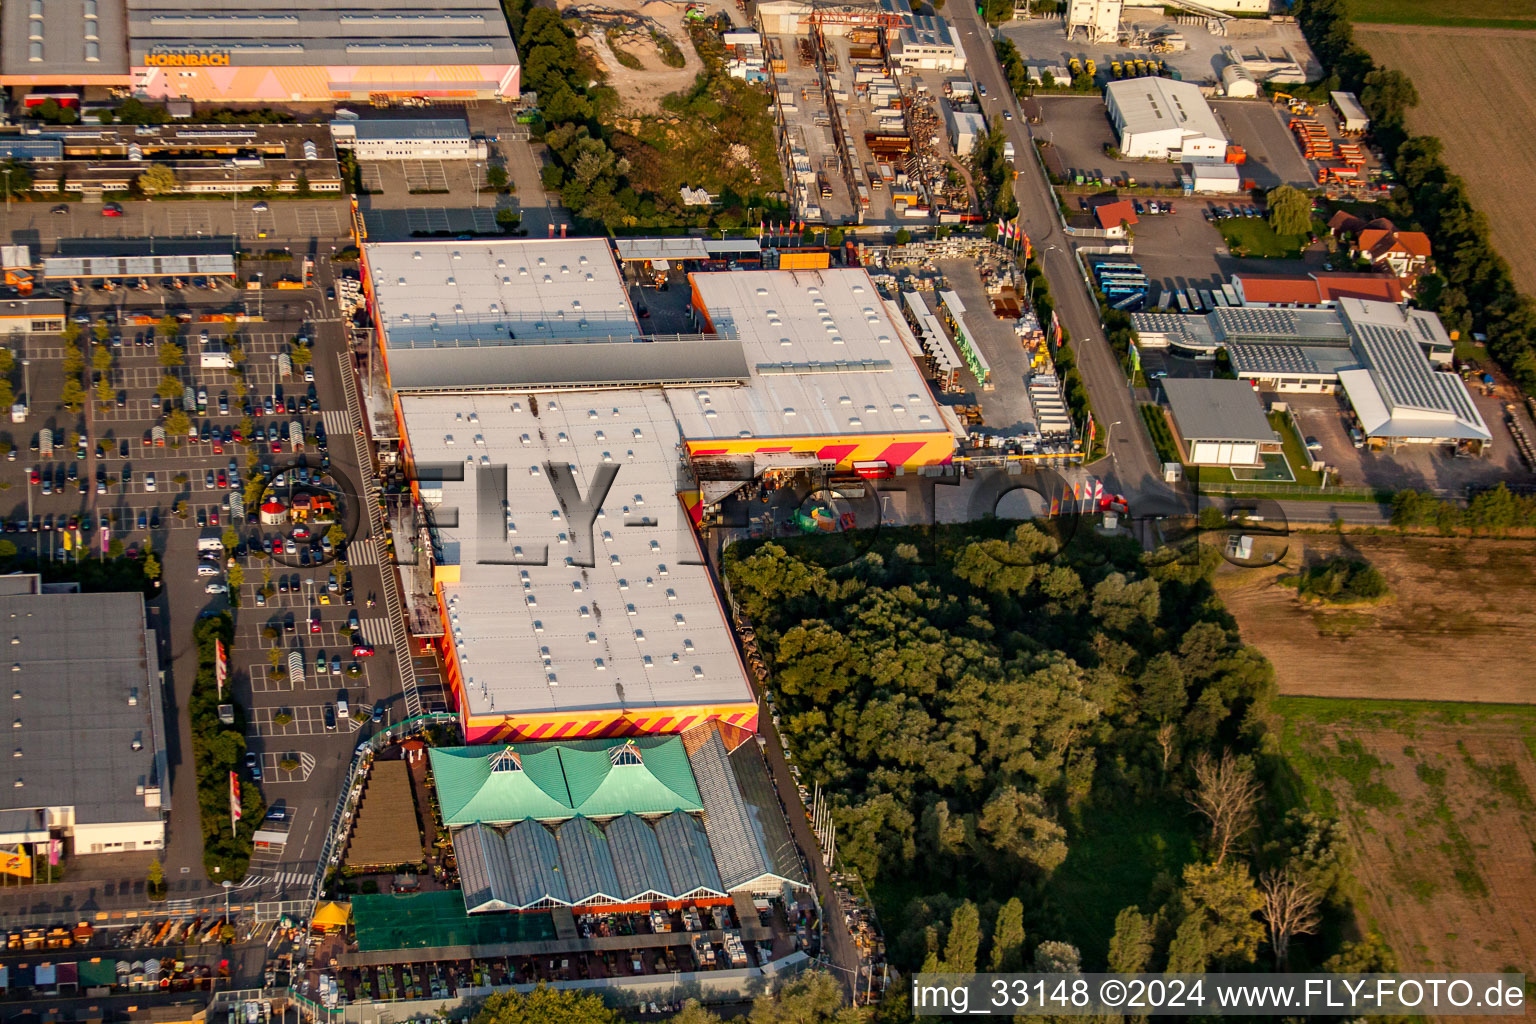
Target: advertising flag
1135, 358
220, 665
1055, 506
1098, 491
234, 800
106, 536
69, 541
55, 850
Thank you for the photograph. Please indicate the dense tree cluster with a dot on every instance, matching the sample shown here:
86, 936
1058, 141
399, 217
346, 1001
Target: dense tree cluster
1473, 288
218, 750
1490, 511
614, 181
971, 709
1342, 580
993, 175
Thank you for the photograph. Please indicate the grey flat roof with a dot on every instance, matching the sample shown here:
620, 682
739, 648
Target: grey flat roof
82, 658
430, 129
66, 40
1216, 410
268, 33
576, 365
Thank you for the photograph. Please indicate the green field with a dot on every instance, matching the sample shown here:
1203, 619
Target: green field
1252, 236
1518, 14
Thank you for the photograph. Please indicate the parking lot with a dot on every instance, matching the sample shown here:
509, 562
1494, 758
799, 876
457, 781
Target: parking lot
157, 496
1078, 128
1424, 467
1184, 250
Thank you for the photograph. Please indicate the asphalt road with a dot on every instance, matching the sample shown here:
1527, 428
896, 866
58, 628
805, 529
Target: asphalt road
1133, 468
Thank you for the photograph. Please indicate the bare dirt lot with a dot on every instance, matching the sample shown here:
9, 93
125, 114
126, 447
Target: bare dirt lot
1460, 624
615, 32
1437, 801
1478, 96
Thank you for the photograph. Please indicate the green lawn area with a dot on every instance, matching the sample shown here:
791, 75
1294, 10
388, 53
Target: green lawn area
1252, 236
1467, 13
1115, 855
1467, 349
1295, 451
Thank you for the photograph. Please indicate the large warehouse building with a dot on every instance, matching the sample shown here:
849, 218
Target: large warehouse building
89, 761
262, 51
1156, 118
522, 381
1378, 353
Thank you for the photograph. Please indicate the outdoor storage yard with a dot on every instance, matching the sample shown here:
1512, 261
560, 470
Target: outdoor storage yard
1460, 623
1078, 129
1436, 800
1477, 95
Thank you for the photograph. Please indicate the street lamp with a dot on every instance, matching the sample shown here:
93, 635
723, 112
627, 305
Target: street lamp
227, 886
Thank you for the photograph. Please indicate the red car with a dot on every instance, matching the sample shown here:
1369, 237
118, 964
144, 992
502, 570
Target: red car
111, 210
223, 477
277, 447
362, 650
314, 622
218, 449
239, 435
36, 477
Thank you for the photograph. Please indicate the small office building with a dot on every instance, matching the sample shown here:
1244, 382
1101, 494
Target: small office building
1219, 422
443, 138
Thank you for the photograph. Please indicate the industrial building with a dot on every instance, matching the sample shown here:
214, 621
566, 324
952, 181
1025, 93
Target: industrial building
31, 316
1238, 83
47, 43
443, 138
1099, 20
1219, 422
620, 824
266, 51
832, 17
928, 43
1156, 118
518, 367
1380, 354
241, 158
89, 760
965, 127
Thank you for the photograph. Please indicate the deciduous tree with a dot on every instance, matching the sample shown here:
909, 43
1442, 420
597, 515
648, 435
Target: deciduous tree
1226, 794
1290, 909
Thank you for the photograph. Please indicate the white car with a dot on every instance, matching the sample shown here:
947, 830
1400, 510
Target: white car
216, 588
149, 481
260, 207
204, 569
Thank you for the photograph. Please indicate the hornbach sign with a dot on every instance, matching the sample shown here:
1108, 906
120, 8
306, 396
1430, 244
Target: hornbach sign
185, 57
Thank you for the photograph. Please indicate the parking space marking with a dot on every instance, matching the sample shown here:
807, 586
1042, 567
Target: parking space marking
308, 720
276, 774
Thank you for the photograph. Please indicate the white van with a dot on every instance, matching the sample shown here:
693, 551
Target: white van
207, 569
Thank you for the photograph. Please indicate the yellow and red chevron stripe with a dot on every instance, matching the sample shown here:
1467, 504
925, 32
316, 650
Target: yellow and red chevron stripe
603, 724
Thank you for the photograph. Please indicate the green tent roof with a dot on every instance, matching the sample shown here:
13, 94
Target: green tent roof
559, 780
